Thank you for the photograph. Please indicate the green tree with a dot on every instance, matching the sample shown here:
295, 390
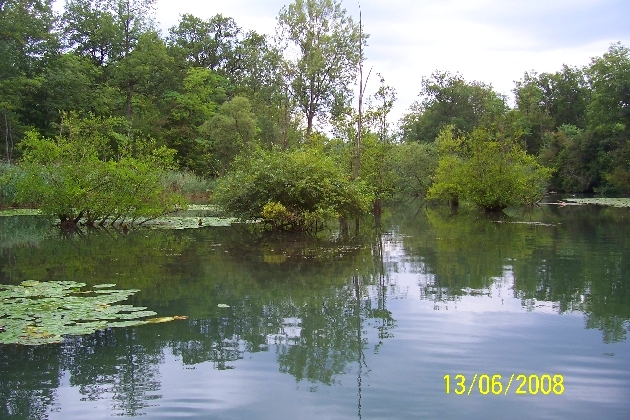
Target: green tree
230, 130
89, 29
78, 175
487, 170
208, 43
189, 108
326, 41
572, 154
448, 99
27, 42
609, 116
293, 190
547, 101
144, 70
415, 164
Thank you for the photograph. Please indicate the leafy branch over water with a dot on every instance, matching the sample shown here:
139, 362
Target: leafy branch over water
36, 312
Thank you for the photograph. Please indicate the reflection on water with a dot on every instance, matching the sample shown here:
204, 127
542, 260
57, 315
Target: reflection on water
366, 324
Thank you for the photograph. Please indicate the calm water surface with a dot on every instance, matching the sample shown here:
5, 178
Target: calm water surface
344, 326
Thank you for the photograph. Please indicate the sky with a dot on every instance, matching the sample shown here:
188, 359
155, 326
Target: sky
491, 41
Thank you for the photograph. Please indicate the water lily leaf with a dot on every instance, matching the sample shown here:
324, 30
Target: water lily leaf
121, 324
20, 212
613, 202
103, 286
36, 312
160, 320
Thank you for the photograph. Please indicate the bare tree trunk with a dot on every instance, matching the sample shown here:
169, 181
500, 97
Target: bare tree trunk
357, 157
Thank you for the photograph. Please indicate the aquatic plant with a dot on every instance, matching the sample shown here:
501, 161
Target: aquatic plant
34, 312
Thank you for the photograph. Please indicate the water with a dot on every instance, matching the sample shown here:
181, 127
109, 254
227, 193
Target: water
339, 327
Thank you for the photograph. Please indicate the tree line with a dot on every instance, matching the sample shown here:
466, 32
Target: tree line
212, 99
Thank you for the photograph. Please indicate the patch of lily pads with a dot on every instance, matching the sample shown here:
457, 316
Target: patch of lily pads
186, 222
613, 202
20, 212
35, 313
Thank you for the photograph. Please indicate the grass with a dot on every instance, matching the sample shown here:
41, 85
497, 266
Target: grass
189, 185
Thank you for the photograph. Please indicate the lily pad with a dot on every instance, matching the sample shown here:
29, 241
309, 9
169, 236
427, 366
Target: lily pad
20, 212
203, 207
613, 202
186, 222
36, 312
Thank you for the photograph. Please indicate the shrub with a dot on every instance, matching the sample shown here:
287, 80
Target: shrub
78, 177
489, 171
292, 190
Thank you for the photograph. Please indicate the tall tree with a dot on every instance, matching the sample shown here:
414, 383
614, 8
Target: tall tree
208, 43
326, 50
547, 101
27, 41
448, 99
609, 115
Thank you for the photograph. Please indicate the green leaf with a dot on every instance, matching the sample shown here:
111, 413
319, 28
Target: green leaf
35, 313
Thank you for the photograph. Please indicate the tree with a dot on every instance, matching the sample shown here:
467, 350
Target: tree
27, 42
326, 45
291, 190
93, 172
572, 154
547, 101
208, 43
448, 99
185, 112
609, 116
230, 131
414, 164
144, 69
89, 28
487, 170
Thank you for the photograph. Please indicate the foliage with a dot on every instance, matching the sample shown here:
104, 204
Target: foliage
209, 44
547, 101
414, 164
296, 190
571, 153
327, 46
187, 184
81, 176
44, 312
231, 130
448, 99
485, 169
609, 116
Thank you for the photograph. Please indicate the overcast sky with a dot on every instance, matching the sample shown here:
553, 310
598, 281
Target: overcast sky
493, 41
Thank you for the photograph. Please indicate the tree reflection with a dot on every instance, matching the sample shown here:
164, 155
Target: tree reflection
576, 257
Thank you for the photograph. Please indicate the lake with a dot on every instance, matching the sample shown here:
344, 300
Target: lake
374, 324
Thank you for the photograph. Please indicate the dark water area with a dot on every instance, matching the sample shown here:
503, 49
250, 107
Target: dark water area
342, 326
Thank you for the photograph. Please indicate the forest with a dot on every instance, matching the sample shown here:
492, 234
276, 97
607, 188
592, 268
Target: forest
104, 118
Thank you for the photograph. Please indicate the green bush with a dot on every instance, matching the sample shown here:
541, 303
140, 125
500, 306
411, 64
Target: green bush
487, 170
77, 176
291, 190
